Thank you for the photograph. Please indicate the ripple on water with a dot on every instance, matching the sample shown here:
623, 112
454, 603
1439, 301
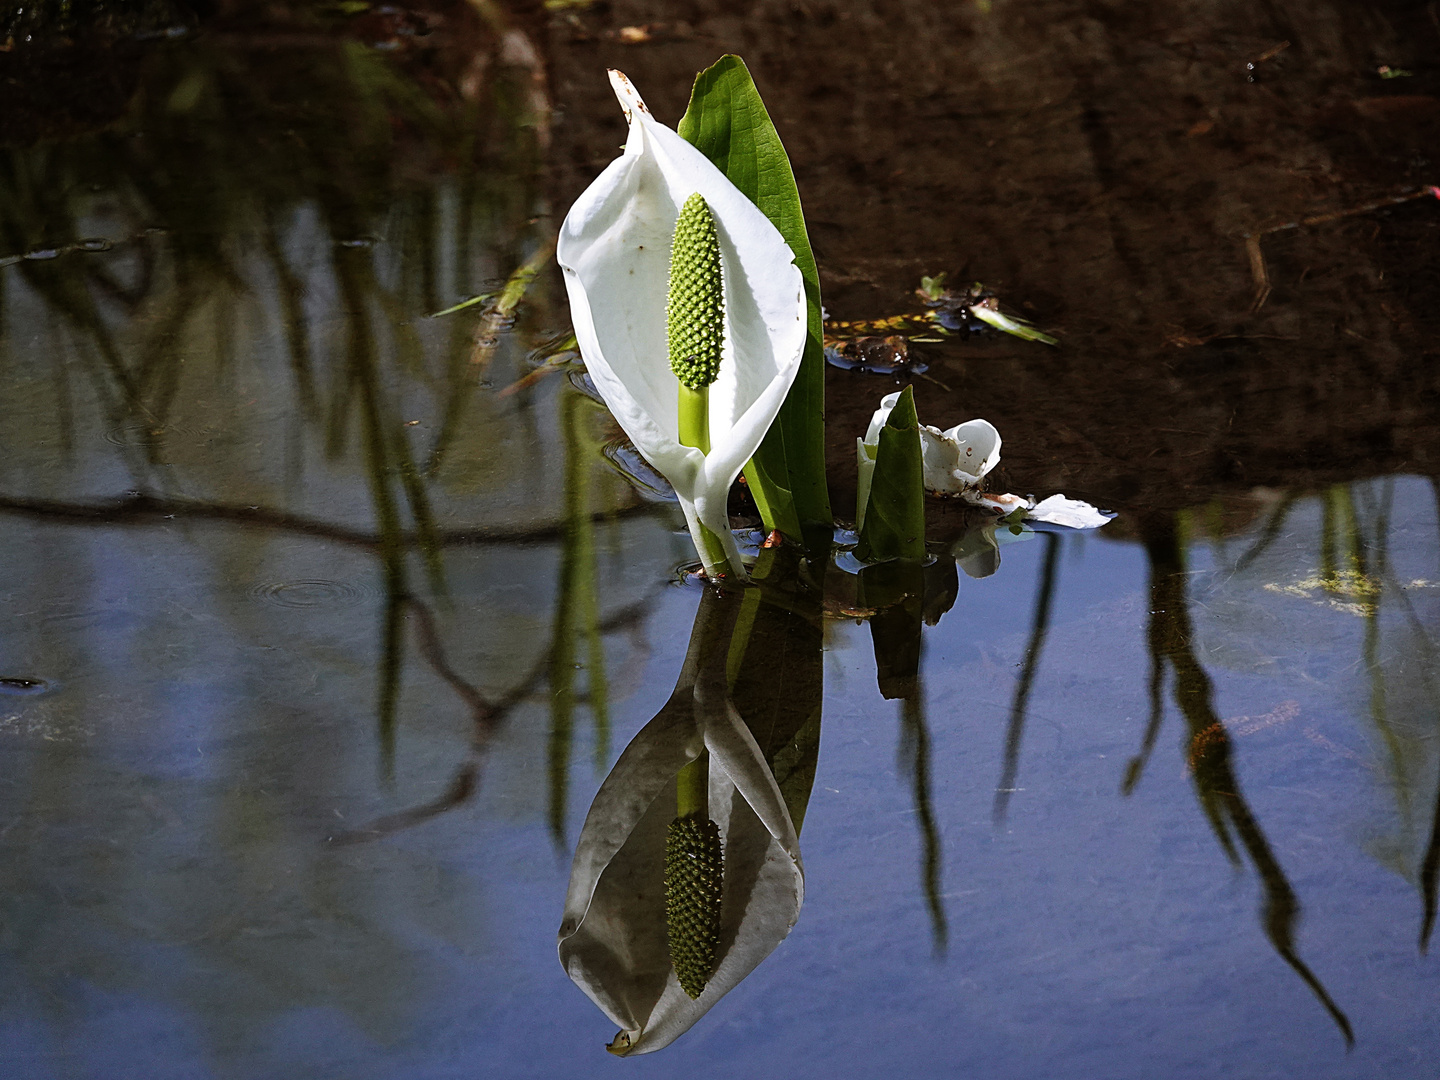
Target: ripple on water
140, 434
312, 593
626, 460
18, 685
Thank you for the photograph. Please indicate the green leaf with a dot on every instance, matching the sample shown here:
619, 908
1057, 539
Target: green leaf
728, 123
1019, 327
774, 500
483, 298
894, 526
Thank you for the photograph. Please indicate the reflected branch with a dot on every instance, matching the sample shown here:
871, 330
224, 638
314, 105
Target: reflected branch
1136, 768
915, 745
487, 716
1364, 580
364, 376
577, 612
291, 294
1270, 533
1430, 875
148, 510
1384, 573
1430, 867
1040, 625
1216, 784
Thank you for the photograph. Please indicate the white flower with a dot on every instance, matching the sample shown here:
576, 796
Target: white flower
958, 459
955, 461
613, 934
614, 247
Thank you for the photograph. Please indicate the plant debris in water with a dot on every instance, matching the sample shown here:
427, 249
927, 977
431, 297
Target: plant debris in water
882, 346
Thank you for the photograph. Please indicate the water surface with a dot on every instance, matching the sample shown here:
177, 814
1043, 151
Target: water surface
322, 620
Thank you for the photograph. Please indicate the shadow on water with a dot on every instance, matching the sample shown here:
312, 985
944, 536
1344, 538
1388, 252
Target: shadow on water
1171, 641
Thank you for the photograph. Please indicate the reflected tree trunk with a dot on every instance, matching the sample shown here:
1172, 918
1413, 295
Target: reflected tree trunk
1039, 627
1171, 640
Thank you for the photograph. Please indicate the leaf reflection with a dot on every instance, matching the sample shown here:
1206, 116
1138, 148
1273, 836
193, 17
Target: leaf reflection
915, 751
908, 596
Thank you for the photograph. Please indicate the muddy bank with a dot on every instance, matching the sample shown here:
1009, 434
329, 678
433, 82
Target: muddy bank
1101, 166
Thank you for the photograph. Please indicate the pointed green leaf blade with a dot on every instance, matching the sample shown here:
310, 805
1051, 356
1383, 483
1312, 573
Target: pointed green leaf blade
895, 515
728, 123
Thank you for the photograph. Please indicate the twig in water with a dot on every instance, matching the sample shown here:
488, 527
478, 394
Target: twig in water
1257, 257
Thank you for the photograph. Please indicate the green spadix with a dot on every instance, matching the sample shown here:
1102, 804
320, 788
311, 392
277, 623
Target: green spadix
695, 308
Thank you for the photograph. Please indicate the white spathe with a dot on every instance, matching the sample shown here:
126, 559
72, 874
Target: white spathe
1071, 513
959, 458
612, 940
614, 247
956, 462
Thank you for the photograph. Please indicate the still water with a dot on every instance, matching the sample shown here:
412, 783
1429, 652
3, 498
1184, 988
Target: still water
323, 620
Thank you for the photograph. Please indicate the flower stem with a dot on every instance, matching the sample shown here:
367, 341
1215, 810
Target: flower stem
695, 418
692, 788
694, 424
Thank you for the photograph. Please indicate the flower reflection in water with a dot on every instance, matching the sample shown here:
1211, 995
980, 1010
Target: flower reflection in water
613, 937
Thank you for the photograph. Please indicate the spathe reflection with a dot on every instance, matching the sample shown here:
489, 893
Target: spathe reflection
978, 551
613, 940
1171, 642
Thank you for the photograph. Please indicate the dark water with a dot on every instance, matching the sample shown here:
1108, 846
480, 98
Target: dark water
322, 620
